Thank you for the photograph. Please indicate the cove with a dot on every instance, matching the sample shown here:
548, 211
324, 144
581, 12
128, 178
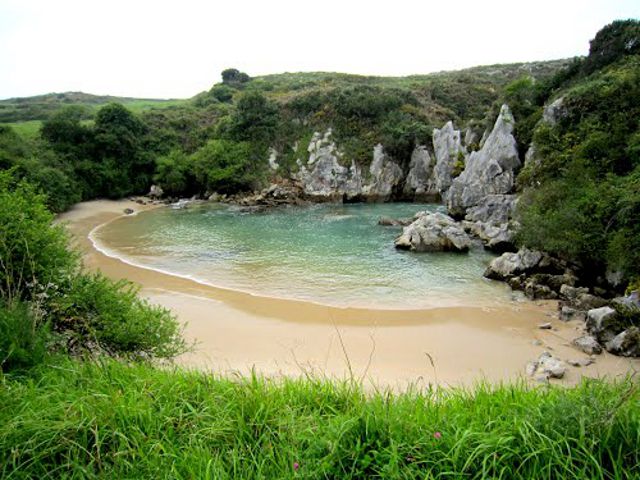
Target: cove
332, 254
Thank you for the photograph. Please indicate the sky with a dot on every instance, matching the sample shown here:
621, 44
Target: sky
175, 49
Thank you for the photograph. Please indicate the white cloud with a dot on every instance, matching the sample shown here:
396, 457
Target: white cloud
176, 49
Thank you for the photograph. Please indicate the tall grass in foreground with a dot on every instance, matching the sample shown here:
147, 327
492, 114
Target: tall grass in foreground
112, 420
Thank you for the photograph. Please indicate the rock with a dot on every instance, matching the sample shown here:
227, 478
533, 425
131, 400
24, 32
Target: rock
448, 151
417, 182
554, 111
323, 175
582, 362
432, 232
273, 157
546, 366
493, 209
603, 323
394, 222
491, 170
587, 344
155, 192
626, 343
128, 211
580, 299
572, 293
567, 314
545, 326
512, 264
538, 291
386, 175
631, 301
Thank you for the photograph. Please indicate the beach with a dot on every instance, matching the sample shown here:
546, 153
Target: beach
237, 332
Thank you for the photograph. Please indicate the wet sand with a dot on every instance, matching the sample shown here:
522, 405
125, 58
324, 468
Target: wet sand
236, 332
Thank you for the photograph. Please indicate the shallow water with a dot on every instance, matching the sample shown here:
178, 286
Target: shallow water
330, 254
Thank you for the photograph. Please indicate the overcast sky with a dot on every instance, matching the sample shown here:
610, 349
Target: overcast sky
175, 49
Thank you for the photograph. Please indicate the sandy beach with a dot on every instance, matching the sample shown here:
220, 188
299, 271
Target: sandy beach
236, 332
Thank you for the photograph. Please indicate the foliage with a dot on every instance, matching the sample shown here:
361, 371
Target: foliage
618, 39
225, 166
113, 420
23, 337
233, 76
174, 173
95, 309
32, 250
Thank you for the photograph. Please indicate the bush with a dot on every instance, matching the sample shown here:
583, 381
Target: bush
225, 166
23, 337
32, 250
96, 310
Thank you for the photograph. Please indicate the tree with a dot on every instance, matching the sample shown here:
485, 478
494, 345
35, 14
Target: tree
233, 76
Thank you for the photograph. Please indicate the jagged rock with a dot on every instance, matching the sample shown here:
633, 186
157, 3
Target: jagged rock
567, 314
603, 323
394, 222
491, 170
155, 192
554, 111
587, 344
448, 151
493, 209
579, 298
546, 366
323, 175
420, 172
432, 232
386, 175
538, 291
626, 343
512, 264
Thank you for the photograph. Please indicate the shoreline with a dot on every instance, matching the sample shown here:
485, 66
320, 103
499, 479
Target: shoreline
240, 331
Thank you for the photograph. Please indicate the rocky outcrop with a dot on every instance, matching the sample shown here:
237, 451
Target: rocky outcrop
448, 151
386, 176
626, 343
587, 344
489, 171
491, 222
509, 265
323, 176
433, 232
155, 192
418, 181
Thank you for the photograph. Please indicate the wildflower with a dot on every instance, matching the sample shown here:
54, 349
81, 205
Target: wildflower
437, 435
296, 466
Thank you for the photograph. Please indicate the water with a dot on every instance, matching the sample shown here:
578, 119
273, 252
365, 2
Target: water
331, 254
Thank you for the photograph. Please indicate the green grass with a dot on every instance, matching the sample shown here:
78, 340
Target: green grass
28, 130
112, 420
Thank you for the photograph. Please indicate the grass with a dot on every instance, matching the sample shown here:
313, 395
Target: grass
108, 419
28, 130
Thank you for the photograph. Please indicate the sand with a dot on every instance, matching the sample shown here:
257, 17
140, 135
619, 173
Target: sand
236, 332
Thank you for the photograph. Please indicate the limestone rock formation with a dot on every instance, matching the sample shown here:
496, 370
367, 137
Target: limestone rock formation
512, 264
417, 183
626, 343
490, 221
386, 176
490, 170
448, 150
433, 232
587, 344
323, 175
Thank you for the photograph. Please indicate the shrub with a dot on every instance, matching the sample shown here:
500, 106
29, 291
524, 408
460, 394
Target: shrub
32, 250
97, 310
225, 166
23, 337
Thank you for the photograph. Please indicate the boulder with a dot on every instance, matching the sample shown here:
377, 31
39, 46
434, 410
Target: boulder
626, 343
603, 323
394, 222
581, 362
489, 171
631, 301
579, 298
155, 192
493, 209
433, 232
587, 344
128, 211
513, 264
567, 314
554, 112
546, 367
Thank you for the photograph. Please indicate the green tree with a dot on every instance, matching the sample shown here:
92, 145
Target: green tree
225, 166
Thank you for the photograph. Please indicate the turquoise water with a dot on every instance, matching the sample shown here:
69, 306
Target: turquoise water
328, 253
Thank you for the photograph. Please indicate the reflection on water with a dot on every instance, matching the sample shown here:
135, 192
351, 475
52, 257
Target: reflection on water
332, 254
